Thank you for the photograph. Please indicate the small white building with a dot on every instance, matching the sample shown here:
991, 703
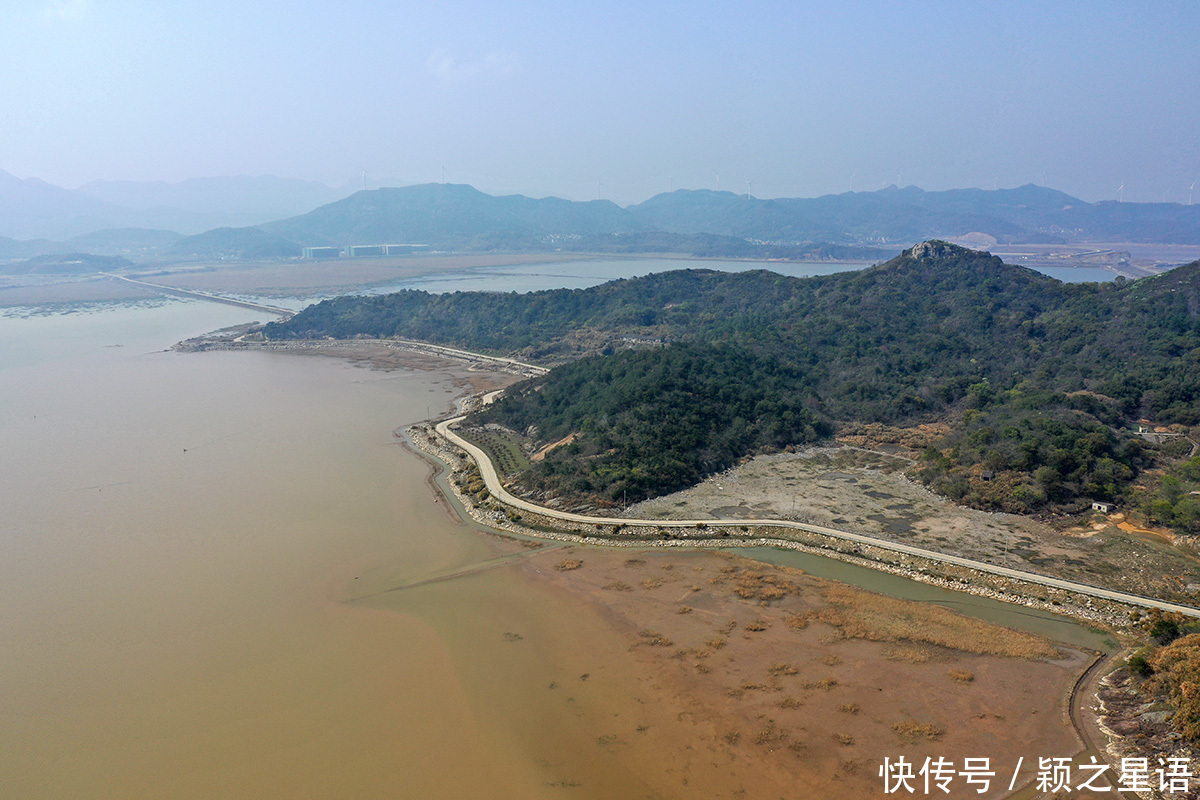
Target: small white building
1103, 507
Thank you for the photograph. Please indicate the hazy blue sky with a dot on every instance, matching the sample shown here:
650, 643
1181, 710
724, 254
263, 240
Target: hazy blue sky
553, 98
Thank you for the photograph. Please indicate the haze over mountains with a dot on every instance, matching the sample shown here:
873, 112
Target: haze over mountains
33, 209
267, 217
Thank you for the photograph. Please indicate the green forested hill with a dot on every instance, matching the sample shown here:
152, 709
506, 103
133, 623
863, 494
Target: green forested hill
653, 421
1038, 376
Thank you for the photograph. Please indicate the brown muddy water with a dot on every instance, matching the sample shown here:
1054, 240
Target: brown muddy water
200, 562
195, 553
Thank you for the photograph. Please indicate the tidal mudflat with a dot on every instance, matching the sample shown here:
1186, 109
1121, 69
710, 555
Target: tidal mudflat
215, 581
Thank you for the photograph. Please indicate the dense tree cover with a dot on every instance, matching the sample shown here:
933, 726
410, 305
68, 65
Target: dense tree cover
656, 420
1022, 450
1046, 369
1168, 669
1177, 499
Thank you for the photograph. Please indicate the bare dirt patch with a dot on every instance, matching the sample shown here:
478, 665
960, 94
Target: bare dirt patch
866, 491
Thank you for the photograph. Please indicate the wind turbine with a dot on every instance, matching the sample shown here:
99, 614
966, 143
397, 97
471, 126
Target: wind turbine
749, 187
1121, 193
852, 174
718, 183
1190, 188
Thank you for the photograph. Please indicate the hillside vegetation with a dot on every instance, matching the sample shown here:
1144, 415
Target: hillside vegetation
1038, 378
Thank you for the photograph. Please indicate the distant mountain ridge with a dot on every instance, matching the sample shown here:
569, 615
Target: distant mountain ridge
1027, 214
127, 242
459, 217
451, 214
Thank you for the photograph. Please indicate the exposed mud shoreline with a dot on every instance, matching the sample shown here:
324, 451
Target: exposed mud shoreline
720, 699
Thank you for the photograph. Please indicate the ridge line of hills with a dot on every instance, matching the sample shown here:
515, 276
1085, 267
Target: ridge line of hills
699, 222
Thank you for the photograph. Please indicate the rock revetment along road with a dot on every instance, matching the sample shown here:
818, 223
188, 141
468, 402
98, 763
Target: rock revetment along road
492, 481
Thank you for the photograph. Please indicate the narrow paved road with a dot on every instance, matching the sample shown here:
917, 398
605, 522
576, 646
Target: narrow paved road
492, 481
213, 298
1076, 706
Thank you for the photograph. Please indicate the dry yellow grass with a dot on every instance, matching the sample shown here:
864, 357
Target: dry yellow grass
770, 735
908, 654
655, 639
760, 585
858, 614
913, 731
568, 564
799, 622
961, 675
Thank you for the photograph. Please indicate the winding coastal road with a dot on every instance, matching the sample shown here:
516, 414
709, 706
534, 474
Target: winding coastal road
492, 481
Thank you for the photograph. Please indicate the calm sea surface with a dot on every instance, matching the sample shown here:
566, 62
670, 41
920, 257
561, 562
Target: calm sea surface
197, 553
